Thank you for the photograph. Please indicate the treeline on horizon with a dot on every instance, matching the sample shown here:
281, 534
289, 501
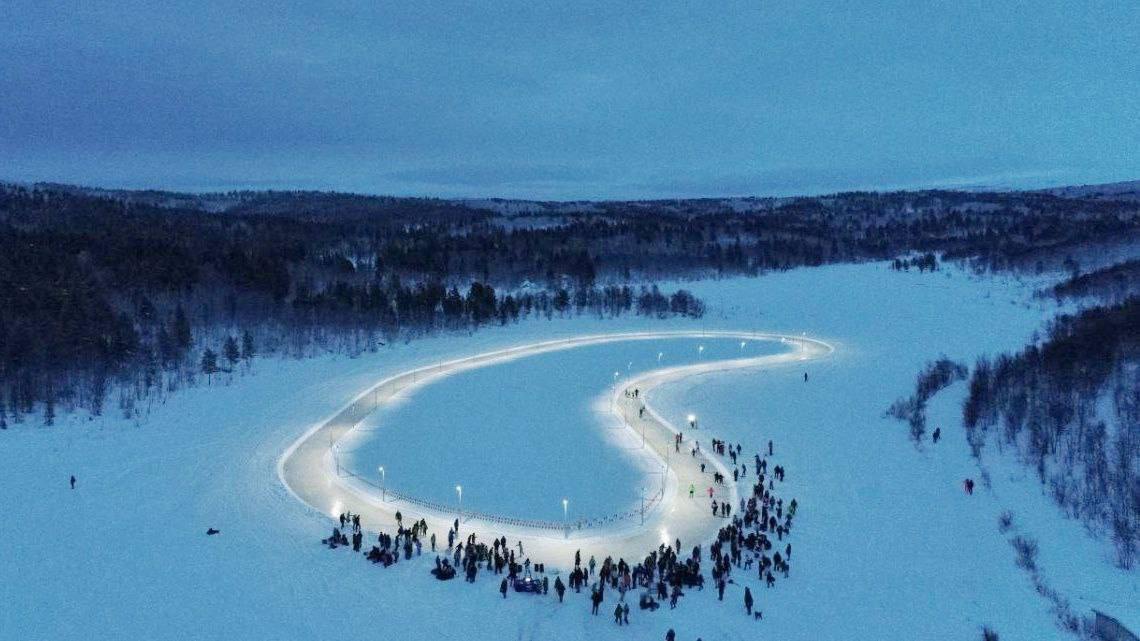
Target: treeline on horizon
1070, 408
142, 292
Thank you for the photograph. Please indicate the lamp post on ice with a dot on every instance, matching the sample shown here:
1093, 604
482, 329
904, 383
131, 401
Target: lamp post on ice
643, 504
566, 516
383, 484
459, 491
693, 421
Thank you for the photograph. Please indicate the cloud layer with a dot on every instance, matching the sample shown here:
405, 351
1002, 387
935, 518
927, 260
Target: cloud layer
575, 100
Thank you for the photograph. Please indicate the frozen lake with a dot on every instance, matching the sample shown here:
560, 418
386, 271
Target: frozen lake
521, 435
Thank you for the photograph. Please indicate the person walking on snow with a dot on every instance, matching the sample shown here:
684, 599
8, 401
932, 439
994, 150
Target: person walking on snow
748, 600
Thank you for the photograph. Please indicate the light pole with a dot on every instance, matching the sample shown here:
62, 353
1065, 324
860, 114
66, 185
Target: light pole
742, 344
659, 355
613, 390
383, 484
643, 505
693, 421
700, 351
566, 514
459, 491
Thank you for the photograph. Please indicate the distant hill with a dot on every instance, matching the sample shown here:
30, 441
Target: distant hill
1127, 190
323, 204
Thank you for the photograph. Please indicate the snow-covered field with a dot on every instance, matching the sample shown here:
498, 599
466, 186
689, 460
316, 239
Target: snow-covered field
887, 546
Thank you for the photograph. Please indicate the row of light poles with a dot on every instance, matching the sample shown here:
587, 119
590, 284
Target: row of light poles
692, 418
459, 494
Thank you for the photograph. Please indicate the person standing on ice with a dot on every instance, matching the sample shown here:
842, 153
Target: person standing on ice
748, 600
503, 588
769, 448
805, 377
937, 434
692, 489
73, 481
559, 588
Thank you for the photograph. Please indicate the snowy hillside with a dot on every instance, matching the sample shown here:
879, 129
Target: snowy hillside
887, 544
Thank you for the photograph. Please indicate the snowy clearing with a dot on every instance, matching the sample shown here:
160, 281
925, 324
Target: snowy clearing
887, 547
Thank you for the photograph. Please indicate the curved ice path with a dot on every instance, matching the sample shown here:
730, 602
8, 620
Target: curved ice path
311, 472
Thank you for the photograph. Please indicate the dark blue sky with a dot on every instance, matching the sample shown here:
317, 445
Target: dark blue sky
569, 99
